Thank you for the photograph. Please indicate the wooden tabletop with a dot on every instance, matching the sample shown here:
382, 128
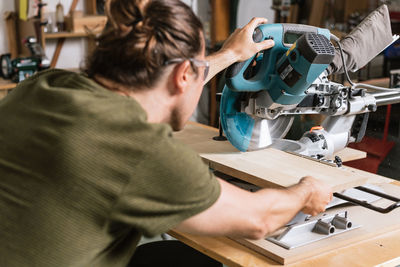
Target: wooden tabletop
6, 84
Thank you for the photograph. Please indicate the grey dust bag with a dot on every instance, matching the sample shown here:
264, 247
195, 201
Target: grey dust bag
365, 42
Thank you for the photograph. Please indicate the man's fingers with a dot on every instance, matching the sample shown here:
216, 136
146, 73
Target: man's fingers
254, 22
266, 44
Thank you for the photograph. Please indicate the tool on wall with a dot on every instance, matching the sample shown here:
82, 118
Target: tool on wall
19, 69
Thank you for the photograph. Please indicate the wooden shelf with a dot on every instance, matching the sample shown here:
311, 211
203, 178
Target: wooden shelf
6, 84
57, 35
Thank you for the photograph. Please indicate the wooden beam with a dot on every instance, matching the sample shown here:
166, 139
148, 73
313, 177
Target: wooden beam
91, 7
317, 13
73, 6
57, 52
219, 21
220, 30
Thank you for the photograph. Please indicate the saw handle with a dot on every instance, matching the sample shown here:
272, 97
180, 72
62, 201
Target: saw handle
370, 206
235, 68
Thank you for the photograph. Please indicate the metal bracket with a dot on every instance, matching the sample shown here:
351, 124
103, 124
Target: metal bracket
367, 205
302, 234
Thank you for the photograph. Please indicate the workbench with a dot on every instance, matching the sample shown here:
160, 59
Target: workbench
382, 249
6, 84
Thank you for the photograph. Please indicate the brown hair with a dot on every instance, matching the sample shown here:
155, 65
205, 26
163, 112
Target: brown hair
141, 36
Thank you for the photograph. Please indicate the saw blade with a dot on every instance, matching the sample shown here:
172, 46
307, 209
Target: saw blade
247, 132
266, 131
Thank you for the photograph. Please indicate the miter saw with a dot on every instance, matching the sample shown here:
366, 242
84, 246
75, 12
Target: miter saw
263, 94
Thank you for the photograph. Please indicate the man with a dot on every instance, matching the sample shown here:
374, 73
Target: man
88, 164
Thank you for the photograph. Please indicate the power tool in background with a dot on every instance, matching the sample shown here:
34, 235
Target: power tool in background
19, 69
263, 94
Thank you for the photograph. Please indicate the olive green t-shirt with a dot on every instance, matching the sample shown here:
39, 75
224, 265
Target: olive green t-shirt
83, 175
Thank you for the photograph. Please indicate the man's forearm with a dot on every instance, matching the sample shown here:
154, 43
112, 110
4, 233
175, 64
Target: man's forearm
245, 214
219, 61
279, 206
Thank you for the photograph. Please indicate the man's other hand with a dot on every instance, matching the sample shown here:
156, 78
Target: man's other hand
320, 196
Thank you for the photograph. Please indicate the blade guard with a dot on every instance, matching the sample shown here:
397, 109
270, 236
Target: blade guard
239, 126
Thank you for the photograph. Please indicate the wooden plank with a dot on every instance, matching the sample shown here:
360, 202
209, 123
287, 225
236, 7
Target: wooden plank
376, 242
264, 168
349, 154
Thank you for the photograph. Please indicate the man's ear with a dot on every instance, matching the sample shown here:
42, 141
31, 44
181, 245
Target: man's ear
182, 76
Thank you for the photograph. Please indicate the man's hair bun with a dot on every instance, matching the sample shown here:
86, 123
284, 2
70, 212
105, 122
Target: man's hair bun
141, 35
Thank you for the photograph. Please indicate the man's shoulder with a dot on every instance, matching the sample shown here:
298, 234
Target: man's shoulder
60, 78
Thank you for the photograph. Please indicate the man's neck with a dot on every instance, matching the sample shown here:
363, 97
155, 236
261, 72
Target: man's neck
155, 101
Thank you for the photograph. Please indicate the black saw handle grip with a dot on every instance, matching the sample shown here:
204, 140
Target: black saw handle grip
235, 68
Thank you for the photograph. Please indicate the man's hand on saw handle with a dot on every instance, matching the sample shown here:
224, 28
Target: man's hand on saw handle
320, 194
238, 47
240, 43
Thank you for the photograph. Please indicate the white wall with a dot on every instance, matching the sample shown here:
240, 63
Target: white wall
74, 49
248, 9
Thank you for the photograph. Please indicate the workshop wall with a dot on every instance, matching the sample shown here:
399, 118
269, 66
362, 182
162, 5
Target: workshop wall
73, 51
246, 10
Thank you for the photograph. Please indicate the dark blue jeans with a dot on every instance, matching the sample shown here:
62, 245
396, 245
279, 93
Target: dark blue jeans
170, 253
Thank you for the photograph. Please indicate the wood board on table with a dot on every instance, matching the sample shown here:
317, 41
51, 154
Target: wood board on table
266, 167
372, 224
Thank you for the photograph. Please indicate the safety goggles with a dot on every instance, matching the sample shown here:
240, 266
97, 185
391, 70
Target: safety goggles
194, 61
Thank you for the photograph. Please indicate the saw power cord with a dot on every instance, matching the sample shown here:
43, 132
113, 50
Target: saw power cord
358, 85
337, 40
